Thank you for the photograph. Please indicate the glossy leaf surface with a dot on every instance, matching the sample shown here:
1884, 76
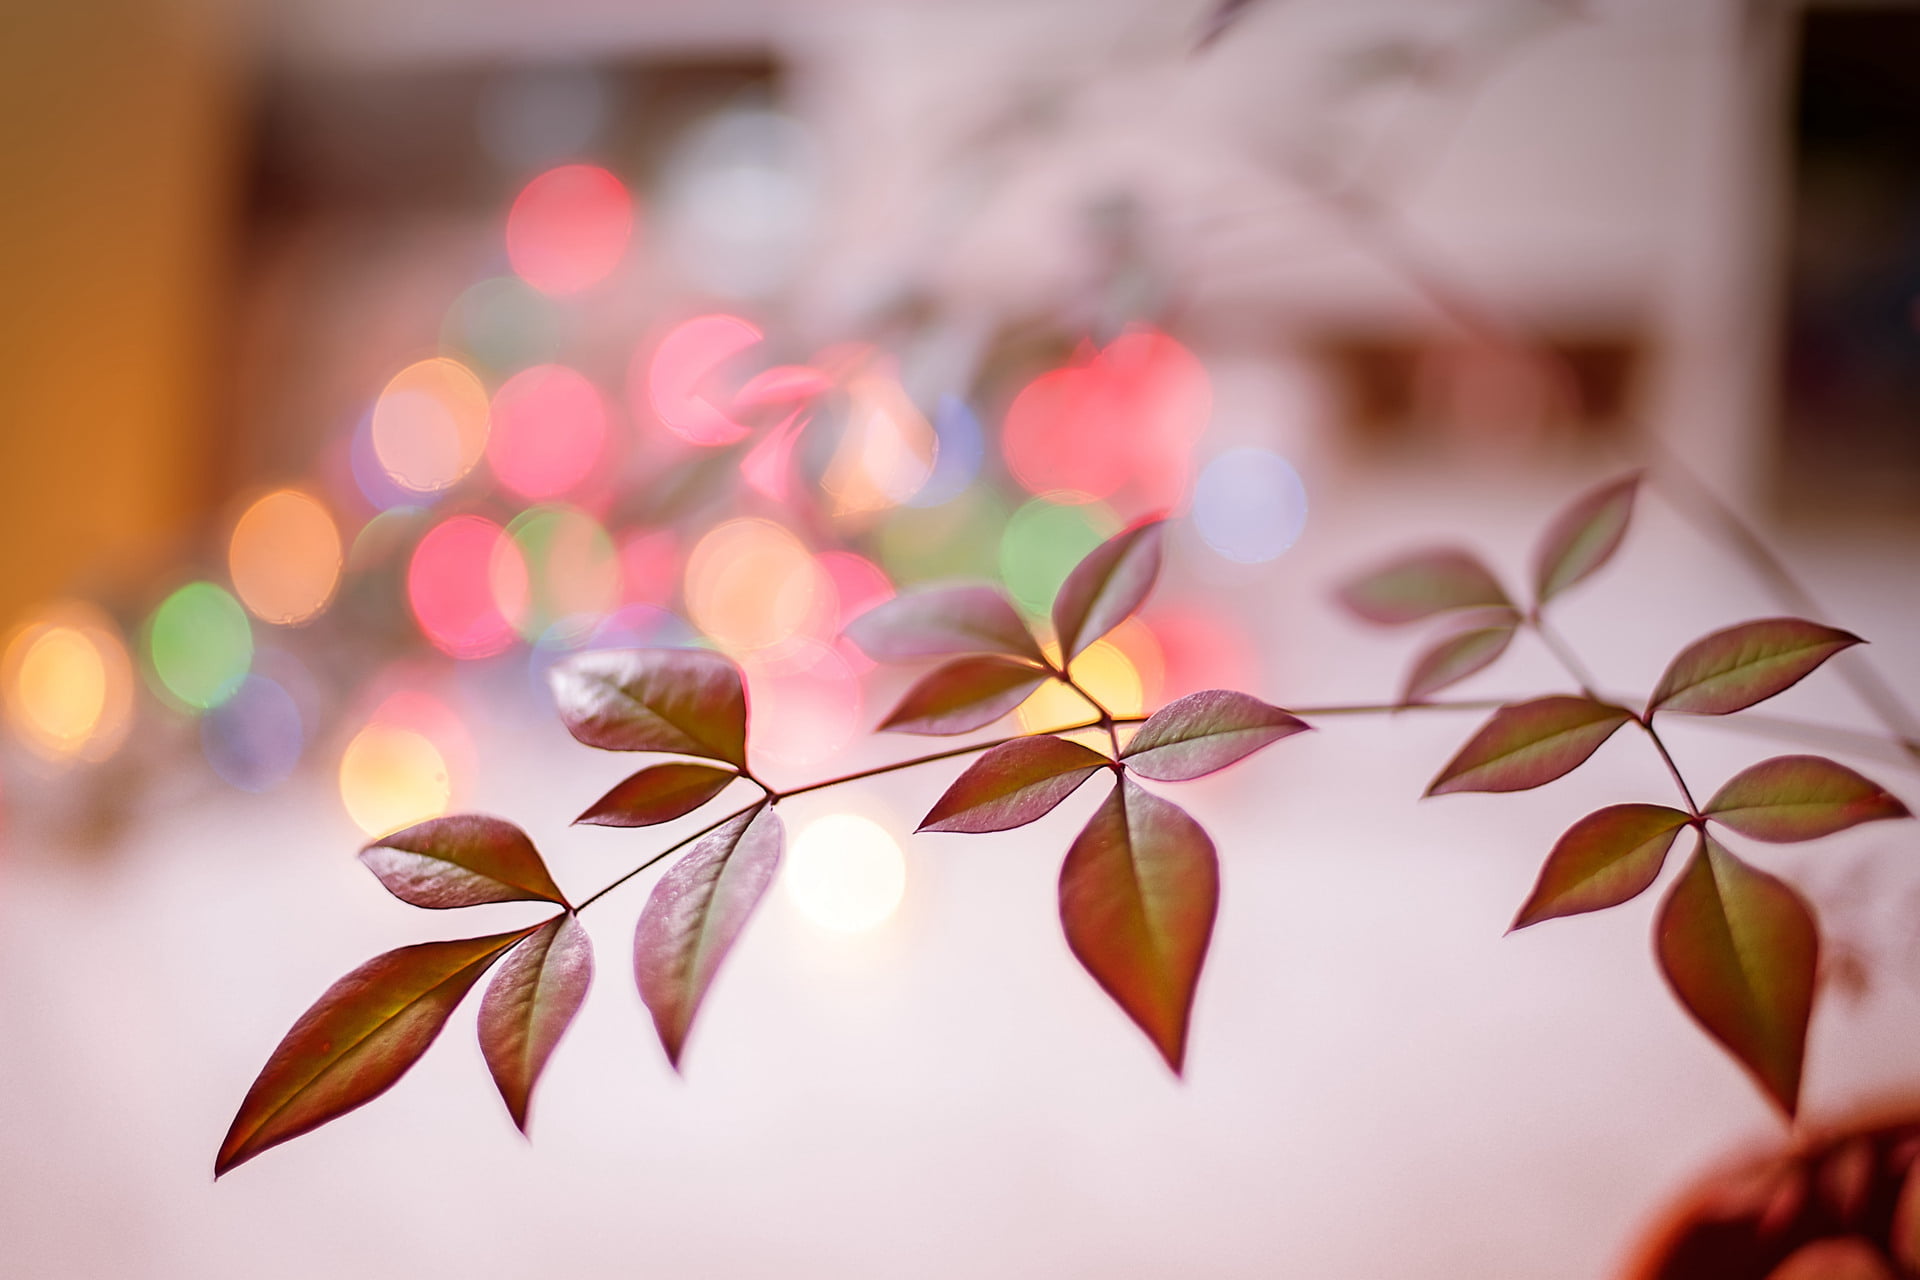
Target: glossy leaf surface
1205, 731
1583, 537
357, 1040
1138, 894
1603, 860
1735, 668
1528, 744
1421, 585
1107, 586
529, 1005
965, 694
1454, 658
942, 622
1013, 784
463, 860
695, 915
658, 793
687, 701
1740, 950
1800, 798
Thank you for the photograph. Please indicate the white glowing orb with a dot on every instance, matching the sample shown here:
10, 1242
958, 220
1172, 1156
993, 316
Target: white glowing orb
846, 873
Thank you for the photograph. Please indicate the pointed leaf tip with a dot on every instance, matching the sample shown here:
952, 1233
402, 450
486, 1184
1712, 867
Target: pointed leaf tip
1202, 732
1583, 537
1456, 657
943, 622
530, 1004
463, 860
690, 702
964, 695
1013, 784
658, 793
1800, 798
1605, 859
1731, 670
1422, 584
1107, 587
1529, 744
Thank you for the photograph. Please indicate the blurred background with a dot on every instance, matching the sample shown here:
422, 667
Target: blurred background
360, 360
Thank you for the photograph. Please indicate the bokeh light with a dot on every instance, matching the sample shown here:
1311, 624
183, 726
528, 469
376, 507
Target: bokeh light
1249, 505
284, 557
200, 645
846, 873
751, 584
681, 377
807, 706
430, 424
649, 566
572, 574
503, 323
568, 228
1043, 541
392, 776
370, 477
467, 585
958, 539
253, 739
1104, 671
961, 446
549, 430
858, 584
68, 683
1203, 650
738, 197
886, 450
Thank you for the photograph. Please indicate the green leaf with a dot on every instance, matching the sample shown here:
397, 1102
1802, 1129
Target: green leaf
1205, 731
1740, 950
1138, 894
1455, 658
1583, 537
964, 695
1013, 784
357, 1040
1835, 1258
941, 622
658, 793
1735, 668
463, 860
1107, 586
529, 1005
1528, 744
1603, 860
1423, 584
695, 915
687, 701
1800, 798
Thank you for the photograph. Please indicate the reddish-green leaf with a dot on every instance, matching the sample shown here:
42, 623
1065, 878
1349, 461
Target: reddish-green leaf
529, 1005
1528, 744
1013, 784
1903, 1236
696, 914
965, 694
687, 701
1742, 665
940, 622
1603, 860
1835, 1258
462, 860
1138, 893
1455, 658
1583, 537
658, 793
1107, 586
1421, 585
1800, 798
1205, 731
357, 1040
1740, 949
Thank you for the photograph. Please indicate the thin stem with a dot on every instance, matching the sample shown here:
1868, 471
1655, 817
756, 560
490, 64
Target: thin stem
930, 759
1563, 653
1393, 708
1666, 757
672, 848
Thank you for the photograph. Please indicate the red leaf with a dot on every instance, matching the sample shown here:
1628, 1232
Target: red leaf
1740, 949
1603, 860
1800, 798
461, 861
529, 1005
941, 622
1107, 586
1742, 665
1583, 537
1903, 1234
1835, 1258
357, 1040
687, 701
1528, 744
1205, 731
1013, 784
964, 695
1421, 585
1454, 659
1138, 893
658, 793
696, 914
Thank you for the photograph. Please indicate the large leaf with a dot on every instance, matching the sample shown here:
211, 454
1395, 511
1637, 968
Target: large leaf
1527, 744
695, 915
357, 1040
1107, 586
941, 622
1205, 731
965, 694
1740, 949
1603, 860
529, 1005
658, 793
1835, 1258
1583, 537
1742, 665
462, 860
1138, 893
1013, 784
687, 701
1423, 584
1800, 798
1454, 658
